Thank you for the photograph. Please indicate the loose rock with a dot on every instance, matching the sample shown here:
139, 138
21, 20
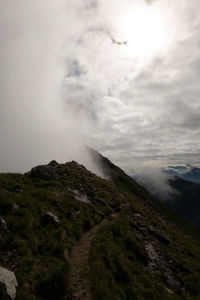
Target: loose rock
8, 284
50, 218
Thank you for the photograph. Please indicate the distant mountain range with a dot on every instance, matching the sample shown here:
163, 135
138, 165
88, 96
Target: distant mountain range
191, 174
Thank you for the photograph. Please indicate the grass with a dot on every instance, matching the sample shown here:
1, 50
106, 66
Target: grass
38, 253
119, 262
40, 249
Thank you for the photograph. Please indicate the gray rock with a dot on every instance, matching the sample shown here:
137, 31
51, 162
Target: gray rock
137, 215
15, 206
171, 282
44, 172
159, 235
152, 254
169, 291
18, 189
124, 205
53, 164
77, 214
155, 260
50, 218
3, 226
112, 216
81, 197
8, 284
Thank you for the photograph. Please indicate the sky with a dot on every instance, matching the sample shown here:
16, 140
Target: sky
120, 76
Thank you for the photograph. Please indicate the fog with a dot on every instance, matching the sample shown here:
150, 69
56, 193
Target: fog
36, 125
155, 181
67, 81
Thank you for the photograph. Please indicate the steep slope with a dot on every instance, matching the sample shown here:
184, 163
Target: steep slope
61, 217
187, 200
193, 175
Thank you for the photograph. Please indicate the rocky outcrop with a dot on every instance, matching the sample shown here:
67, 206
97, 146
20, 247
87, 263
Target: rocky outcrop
50, 218
53, 164
154, 258
8, 284
45, 172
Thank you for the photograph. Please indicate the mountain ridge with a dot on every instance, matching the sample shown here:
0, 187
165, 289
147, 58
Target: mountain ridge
146, 250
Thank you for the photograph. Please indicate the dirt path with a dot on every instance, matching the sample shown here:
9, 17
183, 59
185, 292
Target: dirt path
79, 261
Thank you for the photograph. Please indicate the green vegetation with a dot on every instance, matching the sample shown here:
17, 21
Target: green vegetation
120, 257
37, 252
120, 265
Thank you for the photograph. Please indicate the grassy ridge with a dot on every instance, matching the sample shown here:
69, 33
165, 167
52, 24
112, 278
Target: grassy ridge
37, 252
121, 268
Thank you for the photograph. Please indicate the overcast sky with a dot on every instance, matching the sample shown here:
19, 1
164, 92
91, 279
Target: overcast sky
69, 76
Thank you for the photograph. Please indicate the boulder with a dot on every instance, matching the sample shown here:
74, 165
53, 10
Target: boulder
8, 284
44, 172
50, 218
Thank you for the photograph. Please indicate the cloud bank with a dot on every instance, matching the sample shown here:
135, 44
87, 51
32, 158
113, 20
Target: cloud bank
65, 83
35, 124
155, 181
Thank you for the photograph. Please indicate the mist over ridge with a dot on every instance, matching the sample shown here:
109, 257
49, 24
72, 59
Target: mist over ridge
65, 83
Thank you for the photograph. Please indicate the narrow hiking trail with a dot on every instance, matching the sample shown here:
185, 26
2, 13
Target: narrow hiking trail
79, 262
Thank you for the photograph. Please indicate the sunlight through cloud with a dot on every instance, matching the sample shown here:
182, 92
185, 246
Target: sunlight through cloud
144, 30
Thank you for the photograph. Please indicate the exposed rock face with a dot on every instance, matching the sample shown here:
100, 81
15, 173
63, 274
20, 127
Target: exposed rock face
44, 172
50, 218
154, 258
8, 284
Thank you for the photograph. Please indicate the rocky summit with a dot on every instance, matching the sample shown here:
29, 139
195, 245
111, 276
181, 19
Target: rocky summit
66, 233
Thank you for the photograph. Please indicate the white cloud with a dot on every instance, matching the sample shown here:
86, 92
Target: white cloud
64, 82
155, 181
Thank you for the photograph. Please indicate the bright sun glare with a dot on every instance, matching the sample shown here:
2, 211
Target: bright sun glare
144, 31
